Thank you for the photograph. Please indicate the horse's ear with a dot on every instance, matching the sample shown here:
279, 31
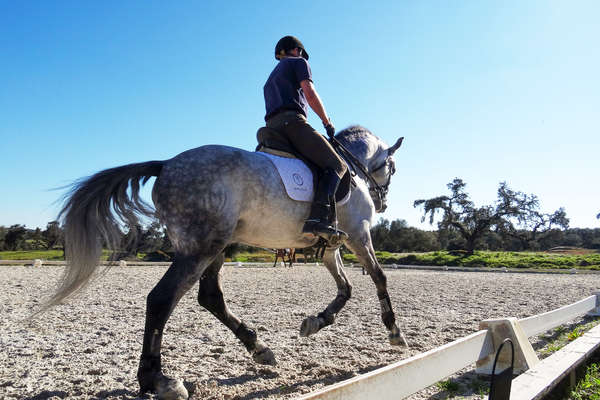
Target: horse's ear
395, 147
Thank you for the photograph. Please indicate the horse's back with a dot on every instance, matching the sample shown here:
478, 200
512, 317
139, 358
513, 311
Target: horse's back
233, 190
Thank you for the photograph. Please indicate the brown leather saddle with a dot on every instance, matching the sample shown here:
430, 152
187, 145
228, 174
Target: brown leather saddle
272, 142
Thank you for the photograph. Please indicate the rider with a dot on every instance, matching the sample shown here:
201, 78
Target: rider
288, 93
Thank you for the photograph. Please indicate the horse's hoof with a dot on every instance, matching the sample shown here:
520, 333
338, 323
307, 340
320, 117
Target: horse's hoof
170, 389
263, 355
309, 326
397, 338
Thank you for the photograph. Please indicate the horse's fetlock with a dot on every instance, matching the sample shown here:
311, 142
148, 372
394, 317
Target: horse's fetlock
150, 363
148, 370
327, 318
247, 336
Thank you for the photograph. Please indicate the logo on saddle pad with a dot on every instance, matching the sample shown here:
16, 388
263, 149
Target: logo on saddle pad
297, 179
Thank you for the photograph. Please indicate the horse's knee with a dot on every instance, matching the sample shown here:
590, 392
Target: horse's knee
345, 292
159, 301
380, 276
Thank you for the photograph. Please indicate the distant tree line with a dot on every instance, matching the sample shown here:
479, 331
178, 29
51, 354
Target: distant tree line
393, 236
151, 241
514, 223
18, 237
397, 237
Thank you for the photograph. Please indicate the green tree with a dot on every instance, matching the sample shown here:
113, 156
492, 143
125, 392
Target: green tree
473, 223
380, 233
15, 236
151, 238
130, 242
534, 226
398, 237
36, 239
3, 231
53, 235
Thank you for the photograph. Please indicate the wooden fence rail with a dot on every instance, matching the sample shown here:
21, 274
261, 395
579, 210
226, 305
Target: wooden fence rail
541, 323
408, 376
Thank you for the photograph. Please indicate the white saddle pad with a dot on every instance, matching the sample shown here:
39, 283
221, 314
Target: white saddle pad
297, 178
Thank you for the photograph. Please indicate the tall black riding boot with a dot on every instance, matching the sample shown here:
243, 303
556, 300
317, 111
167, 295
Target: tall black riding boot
321, 221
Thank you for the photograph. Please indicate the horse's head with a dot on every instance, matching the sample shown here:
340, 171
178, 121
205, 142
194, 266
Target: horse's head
376, 158
382, 169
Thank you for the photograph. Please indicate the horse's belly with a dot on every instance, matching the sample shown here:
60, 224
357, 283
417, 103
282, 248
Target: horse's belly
275, 231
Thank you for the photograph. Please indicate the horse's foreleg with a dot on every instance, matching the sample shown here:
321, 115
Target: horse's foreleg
183, 273
292, 257
210, 296
366, 256
333, 262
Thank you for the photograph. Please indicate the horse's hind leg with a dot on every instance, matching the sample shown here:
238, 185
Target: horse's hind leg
210, 296
183, 273
363, 249
333, 262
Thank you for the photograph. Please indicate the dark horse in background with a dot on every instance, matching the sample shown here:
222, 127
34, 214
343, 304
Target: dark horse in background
290, 254
207, 198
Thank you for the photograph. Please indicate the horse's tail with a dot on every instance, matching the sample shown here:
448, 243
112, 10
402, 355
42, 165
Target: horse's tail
92, 212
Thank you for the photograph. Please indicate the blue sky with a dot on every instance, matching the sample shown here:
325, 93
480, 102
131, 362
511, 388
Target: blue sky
484, 91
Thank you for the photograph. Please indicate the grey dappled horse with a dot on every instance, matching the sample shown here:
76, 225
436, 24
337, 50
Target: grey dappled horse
207, 198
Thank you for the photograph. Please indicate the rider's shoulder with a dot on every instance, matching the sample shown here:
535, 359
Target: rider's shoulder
294, 61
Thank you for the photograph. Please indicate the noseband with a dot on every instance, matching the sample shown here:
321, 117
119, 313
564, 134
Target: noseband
378, 192
381, 191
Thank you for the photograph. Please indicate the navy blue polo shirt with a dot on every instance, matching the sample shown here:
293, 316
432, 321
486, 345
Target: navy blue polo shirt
282, 90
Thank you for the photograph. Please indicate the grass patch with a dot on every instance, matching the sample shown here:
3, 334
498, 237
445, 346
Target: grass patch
481, 259
588, 388
574, 334
491, 259
44, 255
561, 336
449, 385
254, 257
48, 255
480, 387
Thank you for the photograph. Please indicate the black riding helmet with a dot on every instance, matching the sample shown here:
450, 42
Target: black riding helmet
288, 43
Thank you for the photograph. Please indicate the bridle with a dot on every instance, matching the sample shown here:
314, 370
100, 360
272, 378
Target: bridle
381, 191
378, 192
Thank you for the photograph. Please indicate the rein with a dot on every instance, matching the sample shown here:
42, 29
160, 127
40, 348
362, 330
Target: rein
379, 190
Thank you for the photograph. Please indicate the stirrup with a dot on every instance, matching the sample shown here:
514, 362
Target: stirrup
334, 237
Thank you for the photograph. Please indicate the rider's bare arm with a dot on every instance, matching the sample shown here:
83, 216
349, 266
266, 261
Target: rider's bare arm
314, 101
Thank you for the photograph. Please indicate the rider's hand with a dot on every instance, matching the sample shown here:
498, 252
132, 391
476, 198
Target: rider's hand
329, 128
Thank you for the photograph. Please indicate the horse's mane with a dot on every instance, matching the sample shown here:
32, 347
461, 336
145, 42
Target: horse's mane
359, 140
